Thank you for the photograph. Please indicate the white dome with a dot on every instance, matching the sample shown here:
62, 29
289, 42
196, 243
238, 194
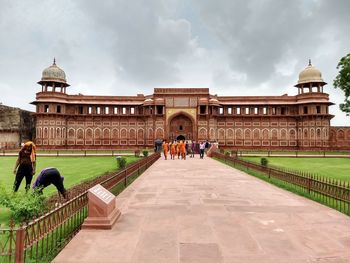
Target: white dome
310, 75
54, 73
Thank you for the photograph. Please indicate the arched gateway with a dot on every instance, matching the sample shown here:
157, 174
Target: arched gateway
181, 128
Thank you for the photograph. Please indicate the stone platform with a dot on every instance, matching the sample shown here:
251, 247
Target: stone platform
202, 211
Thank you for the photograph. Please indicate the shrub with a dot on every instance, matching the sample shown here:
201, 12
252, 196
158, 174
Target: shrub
227, 153
145, 153
121, 162
23, 207
264, 161
137, 153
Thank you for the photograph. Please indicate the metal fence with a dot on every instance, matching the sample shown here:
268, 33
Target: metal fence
43, 237
331, 192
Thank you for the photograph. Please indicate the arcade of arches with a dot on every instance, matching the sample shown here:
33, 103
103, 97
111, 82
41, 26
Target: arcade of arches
300, 121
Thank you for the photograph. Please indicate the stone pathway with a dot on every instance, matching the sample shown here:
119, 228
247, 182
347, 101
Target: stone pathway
203, 211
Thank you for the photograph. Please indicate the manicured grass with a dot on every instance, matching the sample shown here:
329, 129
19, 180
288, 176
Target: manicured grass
74, 169
322, 199
337, 168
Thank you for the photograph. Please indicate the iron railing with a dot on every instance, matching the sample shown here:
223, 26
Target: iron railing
43, 237
331, 192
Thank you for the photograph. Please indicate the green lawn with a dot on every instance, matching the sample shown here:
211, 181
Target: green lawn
337, 168
74, 170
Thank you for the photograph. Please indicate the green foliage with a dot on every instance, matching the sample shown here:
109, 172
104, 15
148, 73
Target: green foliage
74, 169
342, 81
336, 168
264, 161
23, 207
227, 153
121, 162
145, 153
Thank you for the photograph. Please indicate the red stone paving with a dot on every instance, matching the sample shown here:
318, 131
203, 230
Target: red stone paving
199, 211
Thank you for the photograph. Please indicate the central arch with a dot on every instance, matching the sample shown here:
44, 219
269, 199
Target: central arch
181, 127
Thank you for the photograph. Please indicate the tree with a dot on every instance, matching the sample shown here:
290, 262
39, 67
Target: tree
342, 81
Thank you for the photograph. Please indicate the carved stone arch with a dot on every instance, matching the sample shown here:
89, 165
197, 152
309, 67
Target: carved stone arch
292, 134
123, 133
265, 134
340, 134
305, 134
80, 134
88, 134
312, 133
140, 134
106, 133
256, 134
159, 133
274, 134
212, 134
58, 133
325, 133
150, 134
283, 134
97, 134
239, 134
229, 133
318, 134
247, 134
71, 133
348, 134
46, 133
221, 134
132, 134
115, 134
202, 133
180, 123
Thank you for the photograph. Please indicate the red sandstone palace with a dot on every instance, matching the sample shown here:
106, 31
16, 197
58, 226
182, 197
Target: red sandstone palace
274, 122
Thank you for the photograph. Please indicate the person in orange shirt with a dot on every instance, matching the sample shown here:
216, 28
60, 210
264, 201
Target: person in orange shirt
178, 145
165, 149
183, 150
173, 150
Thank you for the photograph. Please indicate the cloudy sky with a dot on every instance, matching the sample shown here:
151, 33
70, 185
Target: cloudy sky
124, 47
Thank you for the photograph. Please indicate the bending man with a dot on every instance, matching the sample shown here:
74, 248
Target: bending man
50, 176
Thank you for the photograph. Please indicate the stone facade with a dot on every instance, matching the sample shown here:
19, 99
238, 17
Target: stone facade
16, 126
272, 122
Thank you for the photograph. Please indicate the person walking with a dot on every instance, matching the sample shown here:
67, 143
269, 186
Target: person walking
193, 148
173, 150
178, 148
25, 165
201, 149
49, 176
165, 149
183, 150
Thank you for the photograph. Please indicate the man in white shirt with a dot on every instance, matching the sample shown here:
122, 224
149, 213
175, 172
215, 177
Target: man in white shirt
201, 150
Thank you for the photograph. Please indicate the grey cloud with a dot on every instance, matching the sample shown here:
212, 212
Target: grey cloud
257, 34
145, 42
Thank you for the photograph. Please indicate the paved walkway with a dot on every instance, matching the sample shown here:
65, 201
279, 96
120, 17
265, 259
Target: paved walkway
203, 211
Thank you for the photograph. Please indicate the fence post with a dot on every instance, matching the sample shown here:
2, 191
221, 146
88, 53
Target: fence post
269, 173
125, 177
309, 184
19, 253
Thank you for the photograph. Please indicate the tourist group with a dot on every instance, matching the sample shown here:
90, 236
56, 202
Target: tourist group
183, 148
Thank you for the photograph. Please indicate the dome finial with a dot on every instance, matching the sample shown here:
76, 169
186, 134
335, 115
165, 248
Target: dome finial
54, 61
310, 62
